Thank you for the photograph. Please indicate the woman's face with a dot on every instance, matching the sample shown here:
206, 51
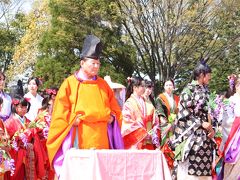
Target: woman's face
148, 91
139, 90
168, 87
53, 97
21, 110
32, 87
2, 82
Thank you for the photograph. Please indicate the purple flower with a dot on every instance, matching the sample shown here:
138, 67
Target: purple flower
24, 139
14, 145
155, 139
45, 132
1, 157
198, 106
231, 83
10, 164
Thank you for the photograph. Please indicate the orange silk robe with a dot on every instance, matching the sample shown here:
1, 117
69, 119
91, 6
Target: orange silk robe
166, 103
93, 101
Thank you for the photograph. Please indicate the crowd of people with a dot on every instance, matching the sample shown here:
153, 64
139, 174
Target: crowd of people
36, 130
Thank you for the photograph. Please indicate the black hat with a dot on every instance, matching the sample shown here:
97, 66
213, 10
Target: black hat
92, 47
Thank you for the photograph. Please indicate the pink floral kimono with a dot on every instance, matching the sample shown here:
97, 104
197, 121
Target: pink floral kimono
139, 129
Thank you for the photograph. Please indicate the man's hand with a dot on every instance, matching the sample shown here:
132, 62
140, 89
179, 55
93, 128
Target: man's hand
110, 119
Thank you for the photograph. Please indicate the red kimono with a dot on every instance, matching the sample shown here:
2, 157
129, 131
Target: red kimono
28, 153
13, 124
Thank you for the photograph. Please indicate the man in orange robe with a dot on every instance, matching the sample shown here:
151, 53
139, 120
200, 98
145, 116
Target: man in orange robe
84, 105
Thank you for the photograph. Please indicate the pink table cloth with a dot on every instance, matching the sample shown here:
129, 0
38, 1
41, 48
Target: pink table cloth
114, 165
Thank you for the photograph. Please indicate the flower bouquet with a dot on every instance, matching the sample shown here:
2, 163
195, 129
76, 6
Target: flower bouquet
40, 127
6, 162
215, 105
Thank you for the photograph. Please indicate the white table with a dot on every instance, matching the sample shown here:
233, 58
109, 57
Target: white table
114, 165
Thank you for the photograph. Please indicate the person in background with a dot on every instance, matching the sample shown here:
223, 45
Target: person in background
151, 113
148, 94
230, 146
193, 133
20, 88
138, 126
51, 94
6, 106
33, 97
44, 118
167, 108
118, 89
83, 108
45, 112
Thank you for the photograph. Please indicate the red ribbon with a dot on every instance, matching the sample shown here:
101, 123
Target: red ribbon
51, 91
15, 101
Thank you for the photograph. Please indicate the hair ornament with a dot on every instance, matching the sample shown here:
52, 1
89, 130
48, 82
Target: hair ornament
51, 91
231, 80
129, 79
15, 101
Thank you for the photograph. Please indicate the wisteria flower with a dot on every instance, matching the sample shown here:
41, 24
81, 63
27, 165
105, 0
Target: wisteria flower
15, 145
24, 139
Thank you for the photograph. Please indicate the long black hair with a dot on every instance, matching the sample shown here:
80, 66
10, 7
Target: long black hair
133, 82
150, 84
35, 79
16, 100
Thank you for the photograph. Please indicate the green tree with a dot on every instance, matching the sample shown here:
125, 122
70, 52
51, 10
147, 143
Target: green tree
9, 33
26, 51
170, 37
71, 21
227, 60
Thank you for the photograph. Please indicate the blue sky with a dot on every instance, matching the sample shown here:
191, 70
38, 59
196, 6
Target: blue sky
27, 5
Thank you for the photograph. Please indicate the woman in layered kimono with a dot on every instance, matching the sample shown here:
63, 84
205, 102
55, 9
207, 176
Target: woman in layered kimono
27, 151
230, 146
152, 117
42, 122
139, 129
15, 123
167, 108
193, 132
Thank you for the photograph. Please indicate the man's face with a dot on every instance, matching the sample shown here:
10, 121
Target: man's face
90, 66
